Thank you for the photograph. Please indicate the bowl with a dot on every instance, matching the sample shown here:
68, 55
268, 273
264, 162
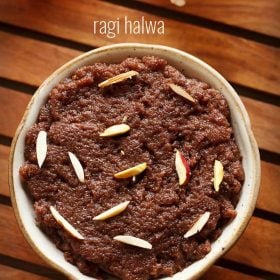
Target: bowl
192, 67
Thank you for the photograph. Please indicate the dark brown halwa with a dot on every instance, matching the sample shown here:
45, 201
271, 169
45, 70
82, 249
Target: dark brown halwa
160, 210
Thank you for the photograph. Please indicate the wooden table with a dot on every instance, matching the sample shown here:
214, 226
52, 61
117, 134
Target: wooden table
239, 38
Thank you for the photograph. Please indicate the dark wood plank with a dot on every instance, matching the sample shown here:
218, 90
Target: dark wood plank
260, 252
258, 246
221, 273
239, 60
12, 241
8, 272
269, 191
259, 15
265, 119
38, 65
11, 112
4, 158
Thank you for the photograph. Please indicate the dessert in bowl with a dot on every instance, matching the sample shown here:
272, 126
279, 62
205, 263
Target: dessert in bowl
140, 163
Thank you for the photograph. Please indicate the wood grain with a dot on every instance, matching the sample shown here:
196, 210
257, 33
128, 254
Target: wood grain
12, 242
221, 273
4, 158
37, 64
11, 112
269, 190
260, 245
238, 59
259, 15
8, 272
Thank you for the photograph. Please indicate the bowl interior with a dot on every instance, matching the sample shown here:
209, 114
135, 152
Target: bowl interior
190, 66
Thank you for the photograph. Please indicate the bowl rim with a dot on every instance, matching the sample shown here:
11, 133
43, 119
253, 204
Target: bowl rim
107, 48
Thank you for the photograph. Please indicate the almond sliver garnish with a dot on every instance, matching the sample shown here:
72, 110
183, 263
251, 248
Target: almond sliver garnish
66, 225
182, 168
198, 225
134, 241
41, 147
218, 174
130, 172
112, 211
115, 130
179, 90
77, 167
118, 78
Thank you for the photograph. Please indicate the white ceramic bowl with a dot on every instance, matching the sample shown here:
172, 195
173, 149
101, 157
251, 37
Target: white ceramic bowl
192, 67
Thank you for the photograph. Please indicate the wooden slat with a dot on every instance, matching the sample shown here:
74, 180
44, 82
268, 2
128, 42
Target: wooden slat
8, 272
11, 234
269, 192
266, 132
11, 112
221, 273
4, 158
265, 119
38, 65
259, 15
242, 61
260, 245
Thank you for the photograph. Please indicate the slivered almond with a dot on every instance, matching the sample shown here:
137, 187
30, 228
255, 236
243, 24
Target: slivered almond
134, 241
66, 225
41, 147
77, 167
198, 225
118, 78
218, 174
115, 130
112, 211
179, 90
182, 168
124, 119
179, 3
130, 172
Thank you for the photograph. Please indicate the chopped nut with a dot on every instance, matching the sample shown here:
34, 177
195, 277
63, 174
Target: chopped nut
182, 168
218, 174
77, 167
112, 211
198, 225
134, 241
115, 130
179, 3
41, 147
124, 119
122, 152
179, 90
118, 78
66, 225
130, 172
